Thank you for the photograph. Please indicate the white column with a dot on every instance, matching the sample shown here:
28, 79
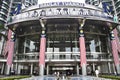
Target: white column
114, 68
19, 68
16, 68
2, 70
41, 73
84, 70
77, 67
31, 69
8, 70
118, 68
12, 67
47, 69
93, 66
109, 67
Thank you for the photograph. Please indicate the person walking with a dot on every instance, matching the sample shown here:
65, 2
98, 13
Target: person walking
97, 72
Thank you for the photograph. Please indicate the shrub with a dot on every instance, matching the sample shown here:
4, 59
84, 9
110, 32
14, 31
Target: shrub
1, 26
111, 77
15, 77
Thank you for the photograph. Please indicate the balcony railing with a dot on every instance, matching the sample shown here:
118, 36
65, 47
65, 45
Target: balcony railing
63, 56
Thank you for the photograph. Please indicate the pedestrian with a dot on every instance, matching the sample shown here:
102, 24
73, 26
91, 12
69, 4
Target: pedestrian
97, 72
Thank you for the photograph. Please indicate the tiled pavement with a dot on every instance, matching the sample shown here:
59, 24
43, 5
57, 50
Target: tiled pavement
64, 78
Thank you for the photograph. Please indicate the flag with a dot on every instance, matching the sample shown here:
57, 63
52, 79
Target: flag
107, 8
17, 9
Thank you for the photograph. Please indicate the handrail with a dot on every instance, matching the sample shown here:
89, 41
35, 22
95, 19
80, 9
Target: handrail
63, 55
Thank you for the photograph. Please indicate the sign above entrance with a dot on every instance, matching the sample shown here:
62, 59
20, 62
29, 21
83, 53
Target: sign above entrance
66, 10
49, 1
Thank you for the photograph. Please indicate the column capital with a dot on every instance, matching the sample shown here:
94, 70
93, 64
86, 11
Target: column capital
43, 23
81, 23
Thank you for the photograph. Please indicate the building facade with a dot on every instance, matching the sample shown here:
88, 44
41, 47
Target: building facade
71, 38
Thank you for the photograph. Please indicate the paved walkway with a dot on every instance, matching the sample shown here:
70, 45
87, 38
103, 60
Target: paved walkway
64, 78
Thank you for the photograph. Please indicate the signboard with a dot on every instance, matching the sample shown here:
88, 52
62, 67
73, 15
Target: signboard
49, 1
67, 9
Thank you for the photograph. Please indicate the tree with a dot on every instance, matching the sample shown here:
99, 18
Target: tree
1, 26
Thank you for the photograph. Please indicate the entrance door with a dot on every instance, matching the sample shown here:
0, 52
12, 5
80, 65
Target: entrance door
62, 70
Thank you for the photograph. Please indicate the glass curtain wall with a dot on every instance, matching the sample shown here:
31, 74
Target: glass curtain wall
96, 40
28, 44
62, 38
29, 38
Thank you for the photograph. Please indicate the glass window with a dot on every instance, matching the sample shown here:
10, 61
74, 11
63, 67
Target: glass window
29, 29
92, 43
3, 10
21, 44
62, 38
103, 43
29, 44
5, 5
95, 38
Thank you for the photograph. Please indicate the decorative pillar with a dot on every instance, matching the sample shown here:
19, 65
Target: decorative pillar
82, 47
42, 49
115, 52
9, 50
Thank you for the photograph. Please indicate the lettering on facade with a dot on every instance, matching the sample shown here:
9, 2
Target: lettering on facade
61, 4
62, 11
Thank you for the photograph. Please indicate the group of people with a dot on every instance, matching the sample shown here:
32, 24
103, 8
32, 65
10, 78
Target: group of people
96, 73
57, 74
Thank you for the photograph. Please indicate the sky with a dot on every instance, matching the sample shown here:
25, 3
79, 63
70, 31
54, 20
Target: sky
47, 1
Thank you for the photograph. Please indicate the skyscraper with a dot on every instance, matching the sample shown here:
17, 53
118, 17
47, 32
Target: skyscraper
117, 7
4, 6
28, 3
115, 4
